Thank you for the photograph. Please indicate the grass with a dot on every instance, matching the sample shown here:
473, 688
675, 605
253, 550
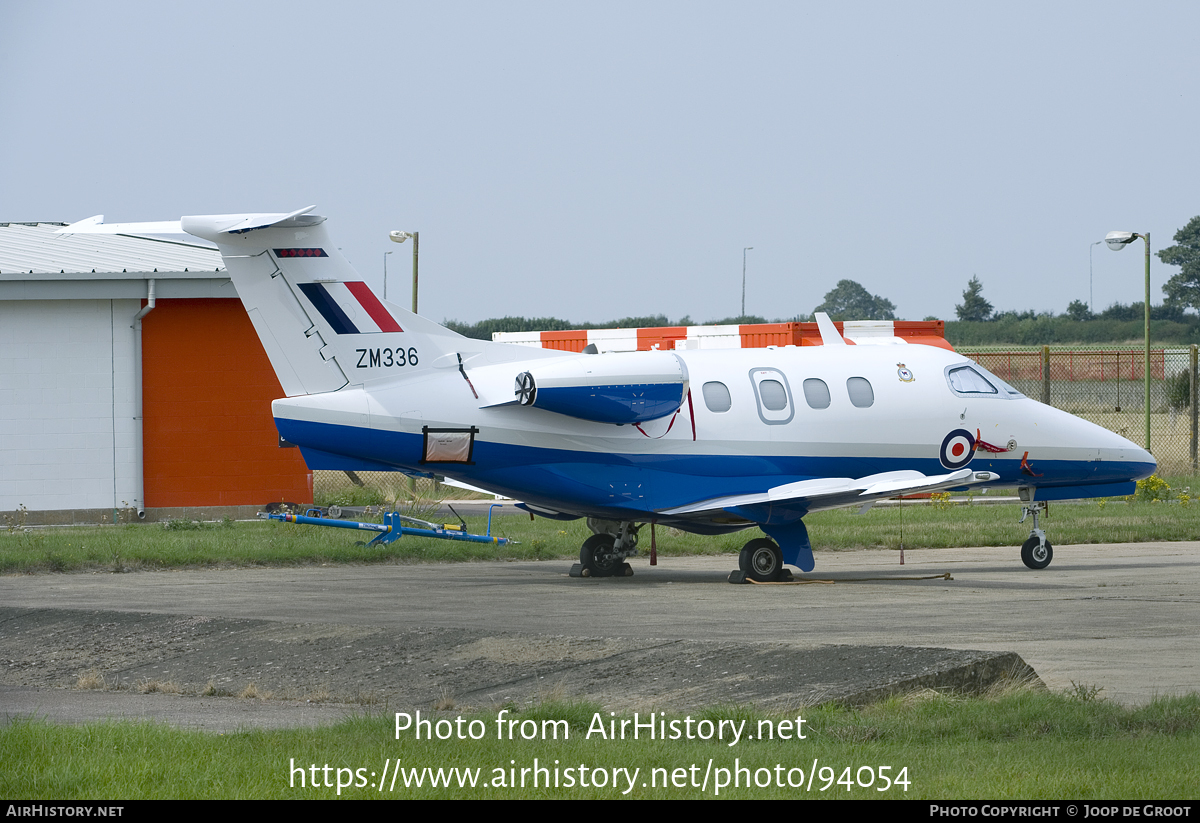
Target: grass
1019, 744
383, 489
191, 544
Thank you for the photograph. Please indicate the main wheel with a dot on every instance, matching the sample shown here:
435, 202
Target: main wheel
1035, 555
761, 560
598, 556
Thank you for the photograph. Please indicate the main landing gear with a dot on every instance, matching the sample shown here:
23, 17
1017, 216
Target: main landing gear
603, 554
761, 561
1036, 552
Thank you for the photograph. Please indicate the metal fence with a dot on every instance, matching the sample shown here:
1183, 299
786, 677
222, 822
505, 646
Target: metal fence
1103, 385
386, 490
1107, 387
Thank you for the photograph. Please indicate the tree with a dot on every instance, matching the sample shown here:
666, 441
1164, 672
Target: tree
1078, 310
740, 320
850, 301
973, 307
1183, 289
1136, 311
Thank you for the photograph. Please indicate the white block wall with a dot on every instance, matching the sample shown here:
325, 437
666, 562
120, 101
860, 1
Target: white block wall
712, 337
66, 404
520, 338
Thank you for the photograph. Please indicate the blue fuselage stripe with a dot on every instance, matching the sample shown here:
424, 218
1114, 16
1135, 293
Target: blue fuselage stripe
611, 483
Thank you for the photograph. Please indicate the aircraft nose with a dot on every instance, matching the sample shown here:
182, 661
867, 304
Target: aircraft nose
1122, 451
1105, 453
1148, 461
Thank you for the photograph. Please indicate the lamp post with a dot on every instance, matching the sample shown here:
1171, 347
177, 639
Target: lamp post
400, 237
385, 254
1116, 241
1091, 301
748, 248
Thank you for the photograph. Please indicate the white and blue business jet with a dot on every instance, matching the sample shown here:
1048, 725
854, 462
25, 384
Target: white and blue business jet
708, 441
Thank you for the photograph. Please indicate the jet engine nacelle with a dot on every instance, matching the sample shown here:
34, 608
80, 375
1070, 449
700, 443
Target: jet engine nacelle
621, 387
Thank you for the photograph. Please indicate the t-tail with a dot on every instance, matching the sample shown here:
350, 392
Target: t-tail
322, 327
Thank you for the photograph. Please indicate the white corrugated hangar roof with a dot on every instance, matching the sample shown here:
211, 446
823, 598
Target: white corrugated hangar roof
36, 248
38, 263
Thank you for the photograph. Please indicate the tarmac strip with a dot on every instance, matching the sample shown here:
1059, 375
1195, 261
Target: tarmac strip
69, 665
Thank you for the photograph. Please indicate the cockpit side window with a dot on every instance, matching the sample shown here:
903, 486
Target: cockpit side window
968, 380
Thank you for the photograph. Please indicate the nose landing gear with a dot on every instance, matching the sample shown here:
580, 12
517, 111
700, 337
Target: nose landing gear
603, 554
1036, 552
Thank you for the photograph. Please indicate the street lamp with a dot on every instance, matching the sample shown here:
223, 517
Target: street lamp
748, 248
385, 254
400, 237
1116, 241
1091, 301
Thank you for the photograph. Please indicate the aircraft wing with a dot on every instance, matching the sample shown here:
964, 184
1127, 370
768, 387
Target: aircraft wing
794, 500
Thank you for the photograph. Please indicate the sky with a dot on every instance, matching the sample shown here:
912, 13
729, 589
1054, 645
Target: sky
592, 161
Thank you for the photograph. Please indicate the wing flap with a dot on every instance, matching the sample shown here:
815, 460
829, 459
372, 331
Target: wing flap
833, 492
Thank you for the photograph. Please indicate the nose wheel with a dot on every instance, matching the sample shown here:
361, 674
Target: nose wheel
1036, 552
603, 554
599, 556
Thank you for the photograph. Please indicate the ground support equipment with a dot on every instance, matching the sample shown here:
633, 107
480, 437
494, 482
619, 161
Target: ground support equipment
393, 527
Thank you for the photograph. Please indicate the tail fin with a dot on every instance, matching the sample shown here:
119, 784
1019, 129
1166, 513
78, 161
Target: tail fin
322, 327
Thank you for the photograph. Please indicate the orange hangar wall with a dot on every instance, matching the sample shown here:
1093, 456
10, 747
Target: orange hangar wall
209, 438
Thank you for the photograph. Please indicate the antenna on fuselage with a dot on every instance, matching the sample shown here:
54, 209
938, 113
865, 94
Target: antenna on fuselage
829, 333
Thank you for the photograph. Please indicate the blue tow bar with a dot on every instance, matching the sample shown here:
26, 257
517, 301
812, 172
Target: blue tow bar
392, 528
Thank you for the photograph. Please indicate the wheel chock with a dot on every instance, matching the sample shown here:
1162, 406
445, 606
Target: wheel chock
739, 576
577, 570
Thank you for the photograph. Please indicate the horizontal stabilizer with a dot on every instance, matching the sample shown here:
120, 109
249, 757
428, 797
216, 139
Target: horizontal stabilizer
213, 226
168, 230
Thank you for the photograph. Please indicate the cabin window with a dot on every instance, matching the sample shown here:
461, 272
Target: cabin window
816, 392
966, 380
860, 391
716, 397
773, 395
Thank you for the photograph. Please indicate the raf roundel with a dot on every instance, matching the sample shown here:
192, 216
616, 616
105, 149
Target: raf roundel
957, 449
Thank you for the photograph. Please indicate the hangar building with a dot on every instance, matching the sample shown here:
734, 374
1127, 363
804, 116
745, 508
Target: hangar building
101, 419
